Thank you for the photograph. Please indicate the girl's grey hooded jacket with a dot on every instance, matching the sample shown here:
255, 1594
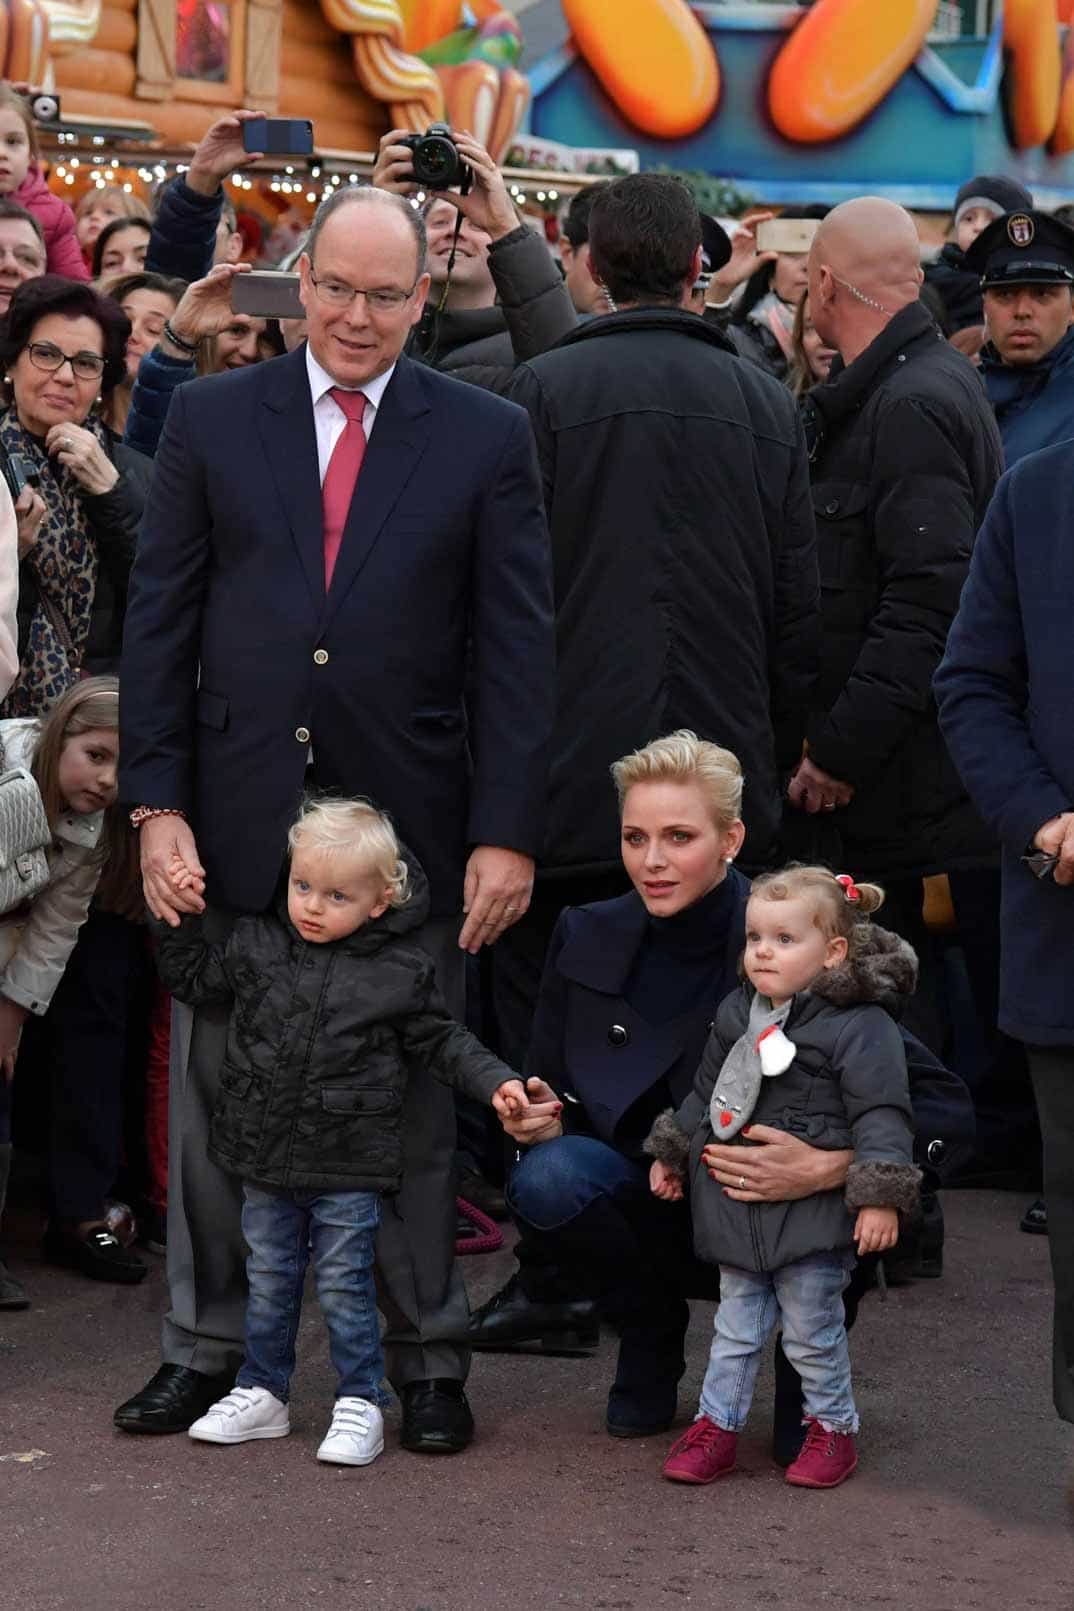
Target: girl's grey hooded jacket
847, 1087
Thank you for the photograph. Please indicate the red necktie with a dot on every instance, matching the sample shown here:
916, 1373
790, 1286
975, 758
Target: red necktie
341, 476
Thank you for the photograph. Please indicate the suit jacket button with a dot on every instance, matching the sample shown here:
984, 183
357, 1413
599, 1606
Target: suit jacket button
618, 1036
302, 734
320, 657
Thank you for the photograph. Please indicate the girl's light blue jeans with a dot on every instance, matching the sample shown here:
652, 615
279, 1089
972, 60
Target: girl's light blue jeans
808, 1297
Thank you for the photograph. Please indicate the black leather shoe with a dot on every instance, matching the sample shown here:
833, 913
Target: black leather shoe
436, 1417
510, 1320
173, 1400
97, 1253
1035, 1219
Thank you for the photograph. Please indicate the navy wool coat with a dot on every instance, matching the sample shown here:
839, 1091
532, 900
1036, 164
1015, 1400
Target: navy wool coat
1006, 691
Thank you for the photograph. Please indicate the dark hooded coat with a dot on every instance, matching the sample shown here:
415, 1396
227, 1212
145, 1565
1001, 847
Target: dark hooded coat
847, 1087
319, 1043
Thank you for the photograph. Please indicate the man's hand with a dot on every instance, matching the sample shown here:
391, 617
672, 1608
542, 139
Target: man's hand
510, 1100
1056, 838
813, 790
394, 167
205, 307
495, 894
779, 1168
173, 878
487, 204
876, 1230
665, 1183
539, 1120
12, 1018
220, 152
29, 513
745, 260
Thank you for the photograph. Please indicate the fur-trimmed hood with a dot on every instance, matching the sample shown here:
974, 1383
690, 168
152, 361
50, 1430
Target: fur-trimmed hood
882, 968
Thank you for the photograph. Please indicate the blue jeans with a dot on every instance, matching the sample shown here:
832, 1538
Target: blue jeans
808, 1295
556, 1181
282, 1229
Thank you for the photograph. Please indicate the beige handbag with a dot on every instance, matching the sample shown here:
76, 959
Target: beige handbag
24, 839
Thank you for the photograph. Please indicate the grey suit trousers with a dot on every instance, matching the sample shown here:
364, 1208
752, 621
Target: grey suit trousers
420, 1289
1052, 1068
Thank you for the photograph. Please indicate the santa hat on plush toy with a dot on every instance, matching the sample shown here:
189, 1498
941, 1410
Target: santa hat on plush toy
775, 1051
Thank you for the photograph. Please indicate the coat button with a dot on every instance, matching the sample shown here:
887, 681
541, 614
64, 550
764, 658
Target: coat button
320, 657
831, 508
618, 1036
302, 734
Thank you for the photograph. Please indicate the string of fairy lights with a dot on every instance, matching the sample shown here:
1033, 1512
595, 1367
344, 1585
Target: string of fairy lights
312, 184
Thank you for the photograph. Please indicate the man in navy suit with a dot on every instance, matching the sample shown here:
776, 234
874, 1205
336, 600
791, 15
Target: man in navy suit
247, 679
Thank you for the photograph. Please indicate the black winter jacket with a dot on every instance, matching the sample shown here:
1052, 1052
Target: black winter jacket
533, 310
319, 1042
847, 1087
684, 562
905, 457
958, 287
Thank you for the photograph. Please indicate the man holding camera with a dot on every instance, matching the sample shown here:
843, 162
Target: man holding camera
496, 297
338, 545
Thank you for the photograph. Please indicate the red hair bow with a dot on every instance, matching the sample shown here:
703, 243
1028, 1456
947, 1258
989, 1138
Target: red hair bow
850, 889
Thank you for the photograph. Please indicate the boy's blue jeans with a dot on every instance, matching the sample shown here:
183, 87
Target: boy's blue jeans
282, 1230
808, 1294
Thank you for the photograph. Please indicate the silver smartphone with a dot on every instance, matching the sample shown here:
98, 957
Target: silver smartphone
267, 294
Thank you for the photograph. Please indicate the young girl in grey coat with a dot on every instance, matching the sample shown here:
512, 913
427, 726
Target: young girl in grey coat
808, 1045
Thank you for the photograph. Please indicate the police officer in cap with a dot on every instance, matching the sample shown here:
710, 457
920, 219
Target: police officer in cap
1026, 263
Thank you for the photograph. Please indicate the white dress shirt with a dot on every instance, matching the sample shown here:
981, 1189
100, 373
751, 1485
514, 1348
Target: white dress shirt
328, 418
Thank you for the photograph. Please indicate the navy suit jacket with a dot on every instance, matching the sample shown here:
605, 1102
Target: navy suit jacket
235, 661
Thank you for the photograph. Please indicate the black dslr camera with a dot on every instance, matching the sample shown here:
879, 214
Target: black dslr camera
44, 107
437, 164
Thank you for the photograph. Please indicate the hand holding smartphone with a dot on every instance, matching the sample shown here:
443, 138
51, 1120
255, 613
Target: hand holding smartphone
278, 136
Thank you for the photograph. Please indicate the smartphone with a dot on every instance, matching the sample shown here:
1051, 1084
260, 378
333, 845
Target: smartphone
267, 294
786, 234
278, 136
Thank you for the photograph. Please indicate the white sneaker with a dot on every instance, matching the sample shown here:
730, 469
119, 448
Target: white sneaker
246, 1412
356, 1435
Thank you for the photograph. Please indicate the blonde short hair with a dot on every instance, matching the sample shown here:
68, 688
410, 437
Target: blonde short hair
357, 830
840, 907
682, 757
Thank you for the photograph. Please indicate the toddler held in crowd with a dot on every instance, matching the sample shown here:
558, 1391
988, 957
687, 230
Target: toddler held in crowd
807, 1045
331, 997
21, 179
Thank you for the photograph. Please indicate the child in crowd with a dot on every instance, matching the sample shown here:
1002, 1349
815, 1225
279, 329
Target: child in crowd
72, 755
331, 997
21, 179
808, 1045
981, 200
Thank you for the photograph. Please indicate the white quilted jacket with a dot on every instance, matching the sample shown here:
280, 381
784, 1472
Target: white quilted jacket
34, 950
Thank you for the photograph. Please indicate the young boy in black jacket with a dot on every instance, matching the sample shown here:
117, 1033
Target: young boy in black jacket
331, 999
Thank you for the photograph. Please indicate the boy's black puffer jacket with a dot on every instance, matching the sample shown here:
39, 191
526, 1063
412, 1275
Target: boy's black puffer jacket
319, 1042
847, 1087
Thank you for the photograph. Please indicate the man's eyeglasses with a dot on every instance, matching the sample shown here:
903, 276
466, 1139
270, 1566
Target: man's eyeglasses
338, 294
84, 365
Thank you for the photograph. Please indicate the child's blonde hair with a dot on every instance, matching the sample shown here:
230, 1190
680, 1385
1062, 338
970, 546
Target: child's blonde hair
840, 906
682, 757
357, 830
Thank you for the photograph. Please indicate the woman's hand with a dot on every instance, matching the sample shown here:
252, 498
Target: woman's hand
79, 451
204, 308
29, 514
12, 1018
778, 1169
539, 1121
876, 1230
665, 1183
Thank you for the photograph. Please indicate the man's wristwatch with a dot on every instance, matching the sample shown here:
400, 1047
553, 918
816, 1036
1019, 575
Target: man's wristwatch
142, 814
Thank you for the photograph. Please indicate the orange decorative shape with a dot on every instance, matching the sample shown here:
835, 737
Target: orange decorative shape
841, 61
1031, 39
653, 58
27, 54
471, 95
426, 21
514, 99
1062, 141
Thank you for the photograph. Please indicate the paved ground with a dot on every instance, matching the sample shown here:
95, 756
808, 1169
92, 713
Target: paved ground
960, 1500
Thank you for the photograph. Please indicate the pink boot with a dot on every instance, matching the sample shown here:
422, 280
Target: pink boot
702, 1454
826, 1460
